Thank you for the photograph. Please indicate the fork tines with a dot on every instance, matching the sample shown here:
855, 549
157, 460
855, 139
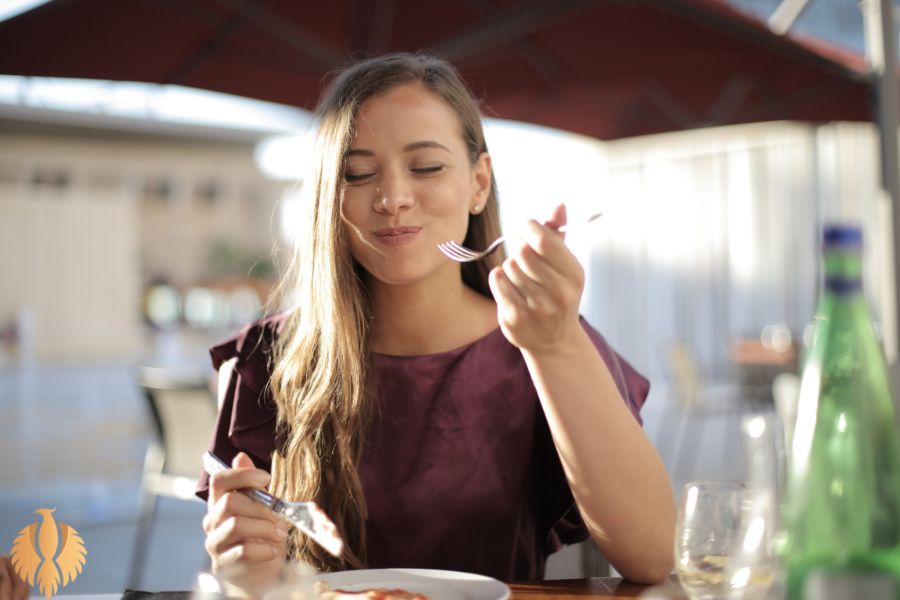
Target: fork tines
456, 252
460, 253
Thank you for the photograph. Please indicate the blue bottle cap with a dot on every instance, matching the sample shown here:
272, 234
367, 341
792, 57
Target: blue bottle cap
842, 236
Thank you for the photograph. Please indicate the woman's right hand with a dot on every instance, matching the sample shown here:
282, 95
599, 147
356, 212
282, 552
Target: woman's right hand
246, 541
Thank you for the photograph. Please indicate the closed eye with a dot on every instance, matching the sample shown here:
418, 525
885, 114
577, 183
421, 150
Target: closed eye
430, 170
352, 178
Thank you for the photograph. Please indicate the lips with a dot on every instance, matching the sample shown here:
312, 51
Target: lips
396, 236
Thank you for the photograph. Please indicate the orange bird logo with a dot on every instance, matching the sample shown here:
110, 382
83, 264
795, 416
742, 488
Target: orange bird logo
35, 558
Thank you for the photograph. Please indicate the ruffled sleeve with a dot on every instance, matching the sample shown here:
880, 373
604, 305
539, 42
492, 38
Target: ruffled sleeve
247, 415
561, 514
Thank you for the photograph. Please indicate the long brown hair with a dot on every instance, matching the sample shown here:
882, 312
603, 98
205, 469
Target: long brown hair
321, 377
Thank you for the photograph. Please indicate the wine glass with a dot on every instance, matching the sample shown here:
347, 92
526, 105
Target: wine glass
295, 581
754, 570
707, 529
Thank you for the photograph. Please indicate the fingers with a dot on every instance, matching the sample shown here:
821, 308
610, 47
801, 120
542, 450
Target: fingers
529, 286
242, 476
543, 259
246, 554
557, 218
522, 295
242, 461
233, 538
531, 272
6, 586
19, 585
538, 289
225, 499
12, 587
503, 289
550, 246
236, 504
238, 531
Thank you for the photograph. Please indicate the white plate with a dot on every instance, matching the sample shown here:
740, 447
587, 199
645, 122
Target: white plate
437, 585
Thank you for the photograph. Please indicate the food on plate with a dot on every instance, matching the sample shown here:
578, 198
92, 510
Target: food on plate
324, 592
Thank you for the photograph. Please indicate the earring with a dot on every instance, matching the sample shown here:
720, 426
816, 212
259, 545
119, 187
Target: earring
477, 209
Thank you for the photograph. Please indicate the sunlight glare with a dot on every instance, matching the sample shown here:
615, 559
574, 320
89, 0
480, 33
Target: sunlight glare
13, 8
537, 168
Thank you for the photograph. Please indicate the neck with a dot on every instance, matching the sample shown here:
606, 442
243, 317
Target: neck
425, 317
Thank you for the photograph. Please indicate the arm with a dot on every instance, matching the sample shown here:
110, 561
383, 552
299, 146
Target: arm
625, 498
246, 542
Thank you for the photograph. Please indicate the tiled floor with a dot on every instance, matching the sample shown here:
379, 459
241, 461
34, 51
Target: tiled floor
73, 438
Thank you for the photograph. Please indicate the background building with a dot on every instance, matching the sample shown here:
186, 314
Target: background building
96, 213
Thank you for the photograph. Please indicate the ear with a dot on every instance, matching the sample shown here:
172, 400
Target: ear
481, 183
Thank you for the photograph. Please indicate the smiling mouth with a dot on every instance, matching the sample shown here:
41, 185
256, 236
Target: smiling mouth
396, 236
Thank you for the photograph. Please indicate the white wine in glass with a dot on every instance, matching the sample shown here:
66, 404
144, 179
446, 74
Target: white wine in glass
708, 526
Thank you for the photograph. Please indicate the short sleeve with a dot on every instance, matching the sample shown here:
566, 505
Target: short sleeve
247, 417
561, 516
633, 387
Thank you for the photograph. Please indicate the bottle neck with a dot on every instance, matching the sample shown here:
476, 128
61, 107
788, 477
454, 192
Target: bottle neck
843, 270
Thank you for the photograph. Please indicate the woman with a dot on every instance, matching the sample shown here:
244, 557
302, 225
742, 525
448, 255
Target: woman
444, 415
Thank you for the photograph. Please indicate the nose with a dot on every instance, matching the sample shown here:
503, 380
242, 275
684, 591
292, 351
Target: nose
393, 193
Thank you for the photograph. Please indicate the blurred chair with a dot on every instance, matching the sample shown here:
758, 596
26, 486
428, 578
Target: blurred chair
183, 411
759, 361
685, 375
697, 400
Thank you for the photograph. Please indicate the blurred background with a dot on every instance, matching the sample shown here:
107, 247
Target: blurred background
140, 200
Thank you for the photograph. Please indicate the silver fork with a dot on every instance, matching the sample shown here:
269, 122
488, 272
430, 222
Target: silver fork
460, 253
305, 516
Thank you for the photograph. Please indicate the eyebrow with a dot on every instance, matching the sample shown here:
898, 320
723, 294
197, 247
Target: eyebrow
406, 148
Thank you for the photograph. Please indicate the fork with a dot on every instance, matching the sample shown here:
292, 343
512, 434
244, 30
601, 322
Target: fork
460, 253
305, 516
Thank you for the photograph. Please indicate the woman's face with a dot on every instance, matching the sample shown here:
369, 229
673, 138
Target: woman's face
409, 185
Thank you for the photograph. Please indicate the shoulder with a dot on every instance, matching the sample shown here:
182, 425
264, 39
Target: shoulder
252, 346
247, 413
254, 337
247, 410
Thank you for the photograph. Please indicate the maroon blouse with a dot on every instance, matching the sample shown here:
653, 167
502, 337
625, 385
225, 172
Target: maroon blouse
459, 470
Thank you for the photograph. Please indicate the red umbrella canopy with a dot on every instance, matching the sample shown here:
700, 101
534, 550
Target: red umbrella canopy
608, 69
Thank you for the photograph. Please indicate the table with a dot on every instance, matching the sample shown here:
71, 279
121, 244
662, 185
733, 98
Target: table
558, 589
578, 589
758, 364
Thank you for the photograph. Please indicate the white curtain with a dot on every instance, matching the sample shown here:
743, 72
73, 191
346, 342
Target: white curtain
710, 235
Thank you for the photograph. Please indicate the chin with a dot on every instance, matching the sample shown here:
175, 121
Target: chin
404, 273
413, 267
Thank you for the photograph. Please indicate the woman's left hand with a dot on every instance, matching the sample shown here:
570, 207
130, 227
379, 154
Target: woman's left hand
538, 288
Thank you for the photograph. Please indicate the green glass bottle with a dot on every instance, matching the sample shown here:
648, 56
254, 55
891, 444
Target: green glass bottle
841, 510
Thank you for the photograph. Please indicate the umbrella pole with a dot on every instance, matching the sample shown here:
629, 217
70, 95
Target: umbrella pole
881, 51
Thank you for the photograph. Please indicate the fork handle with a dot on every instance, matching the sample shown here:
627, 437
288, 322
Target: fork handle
262, 496
214, 464
576, 223
579, 222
